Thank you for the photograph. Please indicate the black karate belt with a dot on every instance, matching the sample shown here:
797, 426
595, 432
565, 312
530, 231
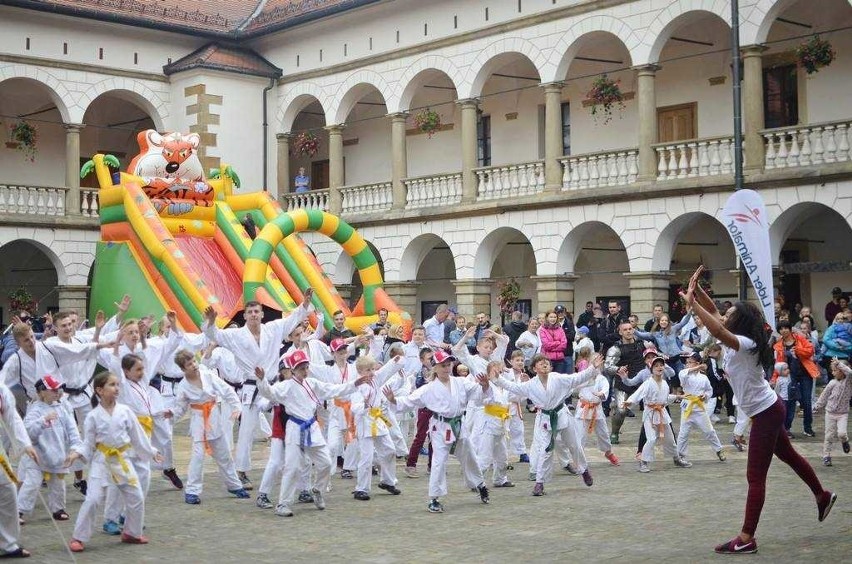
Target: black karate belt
171, 380
251, 383
74, 391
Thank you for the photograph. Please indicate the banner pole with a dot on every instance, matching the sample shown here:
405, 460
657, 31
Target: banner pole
738, 119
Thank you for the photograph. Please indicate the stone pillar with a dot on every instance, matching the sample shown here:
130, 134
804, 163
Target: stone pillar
405, 295
753, 119
473, 296
552, 136
554, 290
335, 168
647, 104
283, 164
74, 297
647, 289
72, 167
399, 159
468, 142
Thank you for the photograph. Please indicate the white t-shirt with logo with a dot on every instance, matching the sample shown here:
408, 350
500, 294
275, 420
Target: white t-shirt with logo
754, 394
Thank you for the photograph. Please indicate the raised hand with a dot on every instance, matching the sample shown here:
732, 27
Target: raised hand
123, 306
259, 373
366, 379
100, 319
598, 361
389, 394
172, 317
210, 315
622, 372
484, 381
306, 301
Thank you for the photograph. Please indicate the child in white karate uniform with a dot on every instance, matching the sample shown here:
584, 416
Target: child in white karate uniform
694, 412
53, 431
517, 440
110, 432
590, 414
14, 434
301, 396
446, 398
211, 401
656, 420
493, 431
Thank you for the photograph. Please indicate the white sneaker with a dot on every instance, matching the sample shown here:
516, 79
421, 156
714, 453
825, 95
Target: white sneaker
283, 510
411, 472
318, 499
643, 467
732, 419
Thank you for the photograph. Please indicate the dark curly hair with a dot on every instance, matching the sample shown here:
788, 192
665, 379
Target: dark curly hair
747, 320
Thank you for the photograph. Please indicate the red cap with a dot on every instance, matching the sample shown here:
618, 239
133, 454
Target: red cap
650, 350
48, 383
337, 344
296, 358
442, 356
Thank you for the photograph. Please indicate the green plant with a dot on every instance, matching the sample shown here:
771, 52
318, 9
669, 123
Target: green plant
428, 121
815, 53
605, 94
510, 292
229, 172
26, 136
21, 299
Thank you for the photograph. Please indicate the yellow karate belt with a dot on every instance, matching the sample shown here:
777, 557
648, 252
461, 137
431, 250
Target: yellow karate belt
46, 476
375, 414
118, 454
346, 406
692, 401
499, 411
147, 423
7, 468
657, 411
590, 411
206, 409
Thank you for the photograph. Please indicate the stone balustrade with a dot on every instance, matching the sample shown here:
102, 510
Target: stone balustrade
695, 157
433, 190
593, 170
509, 181
807, 145
312, 199
32, 200
89, 202
367, 198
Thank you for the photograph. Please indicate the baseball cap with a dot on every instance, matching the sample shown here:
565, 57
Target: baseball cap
442, 356
296, 358
656, 358
337, 344
836, 291
584, 330
559, 309
47, 383
696, 356
650, 350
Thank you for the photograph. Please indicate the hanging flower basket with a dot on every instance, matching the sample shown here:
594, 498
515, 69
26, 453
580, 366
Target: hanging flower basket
679, 306
815, 53
510, 292
428, 121
20, 299
605, 94
24, 137
306, 144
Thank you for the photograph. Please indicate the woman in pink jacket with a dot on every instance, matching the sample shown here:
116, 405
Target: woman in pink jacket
553, 342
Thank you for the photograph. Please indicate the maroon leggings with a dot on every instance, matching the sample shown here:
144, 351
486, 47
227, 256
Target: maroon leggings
423, 418
769, 437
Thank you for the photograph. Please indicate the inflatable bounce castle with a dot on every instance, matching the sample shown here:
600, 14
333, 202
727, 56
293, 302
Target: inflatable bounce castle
172, 238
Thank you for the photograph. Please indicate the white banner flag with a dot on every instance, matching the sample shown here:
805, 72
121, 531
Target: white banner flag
745, 219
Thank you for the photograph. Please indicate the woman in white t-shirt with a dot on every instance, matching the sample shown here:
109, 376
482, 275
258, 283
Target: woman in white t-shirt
746, 341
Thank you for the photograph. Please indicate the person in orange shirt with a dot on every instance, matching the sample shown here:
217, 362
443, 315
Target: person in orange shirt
795, 349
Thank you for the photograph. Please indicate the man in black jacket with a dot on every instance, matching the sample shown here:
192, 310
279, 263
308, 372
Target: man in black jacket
608, 330
627, 351
513, 330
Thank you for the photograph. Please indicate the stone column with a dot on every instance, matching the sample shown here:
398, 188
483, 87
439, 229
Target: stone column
552, 136
647, 289
473, 296
74, 297
554, 290
399, 159
404, 293
468, 142
753, 120
72, 167
335, 168
283, 164
647, 104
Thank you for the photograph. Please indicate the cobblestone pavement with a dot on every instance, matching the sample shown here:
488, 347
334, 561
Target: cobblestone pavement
671, 514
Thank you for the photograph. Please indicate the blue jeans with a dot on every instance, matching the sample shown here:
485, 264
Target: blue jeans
790, 405
569, 365
806, 386
559, 366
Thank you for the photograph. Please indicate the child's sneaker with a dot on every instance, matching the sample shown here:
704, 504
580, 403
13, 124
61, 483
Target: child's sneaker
826, 461
305, 497
721, 456
263, 501
127, 539
391, 489
571, 469
612, 459
283, 510
845, 446
643, 467
76, 546
244, 480
737, 546
240, 493
81, 486
112, 528
483, 493
319, 500
538, 489
411, 472
190, 499
172, 476
435, 506
738, 444
681, 462
525, 458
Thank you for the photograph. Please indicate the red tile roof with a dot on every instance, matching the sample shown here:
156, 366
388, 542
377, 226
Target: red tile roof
233, 18
228, 58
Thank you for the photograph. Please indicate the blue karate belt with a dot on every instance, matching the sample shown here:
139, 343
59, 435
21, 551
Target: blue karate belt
304, 430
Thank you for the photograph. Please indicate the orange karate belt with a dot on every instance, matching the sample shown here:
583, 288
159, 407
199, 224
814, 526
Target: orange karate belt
206, 409
346, 406
657, 411
590, 413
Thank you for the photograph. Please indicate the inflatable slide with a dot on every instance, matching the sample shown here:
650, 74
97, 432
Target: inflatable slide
175, 240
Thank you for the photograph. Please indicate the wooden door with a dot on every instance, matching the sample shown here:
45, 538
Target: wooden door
677, 123
319, 175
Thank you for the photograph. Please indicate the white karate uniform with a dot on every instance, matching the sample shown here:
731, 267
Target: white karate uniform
119, 430
590, 414
517, 439
222, 361
655, 418
249, 353
447, 402
490, 434
51, 439
12, 434
208, 431
172, 375
338, 427
696, 385
477, 365
551, 399
373, 430
398, 384
302, 440
23, 370
77, 377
